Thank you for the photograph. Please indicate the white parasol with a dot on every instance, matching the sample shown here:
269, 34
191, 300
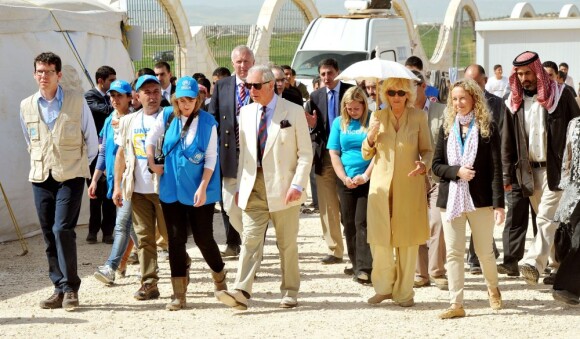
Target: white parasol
377, 69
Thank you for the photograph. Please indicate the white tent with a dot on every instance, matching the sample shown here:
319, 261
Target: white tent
85, 34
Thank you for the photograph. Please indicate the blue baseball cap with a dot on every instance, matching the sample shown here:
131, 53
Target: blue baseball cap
120, 86
144, 79
186, 87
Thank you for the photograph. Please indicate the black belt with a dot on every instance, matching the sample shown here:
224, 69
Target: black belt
538, 164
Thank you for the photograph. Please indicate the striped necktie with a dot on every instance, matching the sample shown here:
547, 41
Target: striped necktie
262, 135
239, 104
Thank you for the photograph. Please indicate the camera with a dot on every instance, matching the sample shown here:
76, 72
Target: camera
158, 160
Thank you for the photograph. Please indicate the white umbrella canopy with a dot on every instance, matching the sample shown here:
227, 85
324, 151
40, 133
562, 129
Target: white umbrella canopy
377, 69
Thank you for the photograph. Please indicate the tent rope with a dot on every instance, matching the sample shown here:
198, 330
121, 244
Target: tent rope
72, 46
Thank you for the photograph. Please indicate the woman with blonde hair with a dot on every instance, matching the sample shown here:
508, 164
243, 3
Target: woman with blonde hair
344, 144
189, 185
468, 161
399, 143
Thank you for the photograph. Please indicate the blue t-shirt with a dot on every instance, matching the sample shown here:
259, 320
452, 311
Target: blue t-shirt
349, 144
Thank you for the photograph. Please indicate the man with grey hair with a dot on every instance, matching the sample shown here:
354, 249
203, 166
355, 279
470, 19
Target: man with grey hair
274, 166
229, 96
291, 94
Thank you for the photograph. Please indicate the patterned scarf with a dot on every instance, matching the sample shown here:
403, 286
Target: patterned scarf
547, 88
461, 154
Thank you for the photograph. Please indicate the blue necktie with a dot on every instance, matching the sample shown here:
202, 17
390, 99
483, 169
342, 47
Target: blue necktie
331, 109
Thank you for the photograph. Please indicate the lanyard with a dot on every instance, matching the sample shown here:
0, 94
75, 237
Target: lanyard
458, 135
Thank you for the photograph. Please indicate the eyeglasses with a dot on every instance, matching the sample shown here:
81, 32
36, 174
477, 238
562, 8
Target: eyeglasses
281, 80
257, 86
43, 73
400, 93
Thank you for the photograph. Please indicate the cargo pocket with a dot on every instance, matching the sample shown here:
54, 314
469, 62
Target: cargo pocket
36, 165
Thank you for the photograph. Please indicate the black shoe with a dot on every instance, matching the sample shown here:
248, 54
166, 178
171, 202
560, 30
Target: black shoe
549, 280
108, 239
331, 259
231, 251
510, 269
566, 297
348, 271
91, 238
530, 274
476, 270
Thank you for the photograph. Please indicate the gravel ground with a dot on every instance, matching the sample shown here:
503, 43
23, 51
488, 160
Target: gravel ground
330, 304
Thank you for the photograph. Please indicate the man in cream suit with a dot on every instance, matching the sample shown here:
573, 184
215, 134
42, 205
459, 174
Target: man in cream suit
274, 166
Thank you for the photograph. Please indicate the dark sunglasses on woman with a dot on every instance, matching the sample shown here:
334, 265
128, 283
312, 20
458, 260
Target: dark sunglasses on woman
400, 93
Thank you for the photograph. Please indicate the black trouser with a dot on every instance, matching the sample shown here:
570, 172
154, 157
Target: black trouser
232, 236
58, 206
472, 258
568, 275
180, 217
102, 211
353, 209
516, 225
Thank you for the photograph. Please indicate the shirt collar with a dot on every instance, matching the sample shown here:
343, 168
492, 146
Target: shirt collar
239, 81
336, 89
272, 104
58, 96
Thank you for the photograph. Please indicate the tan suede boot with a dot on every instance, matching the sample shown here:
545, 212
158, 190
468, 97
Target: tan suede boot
179, 290
219, 281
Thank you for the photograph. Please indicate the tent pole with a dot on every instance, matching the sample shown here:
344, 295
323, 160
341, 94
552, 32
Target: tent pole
16, 227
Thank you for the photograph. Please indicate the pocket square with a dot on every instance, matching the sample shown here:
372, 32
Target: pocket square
284, 123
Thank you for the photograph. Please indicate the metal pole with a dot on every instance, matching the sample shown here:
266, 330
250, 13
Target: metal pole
16, 227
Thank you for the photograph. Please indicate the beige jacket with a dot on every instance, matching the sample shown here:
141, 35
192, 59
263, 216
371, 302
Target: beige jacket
402, 222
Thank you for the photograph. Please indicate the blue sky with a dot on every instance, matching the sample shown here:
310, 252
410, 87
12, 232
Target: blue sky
220, 12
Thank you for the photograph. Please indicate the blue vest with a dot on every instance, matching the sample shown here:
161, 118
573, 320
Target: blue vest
108, 137
184, 166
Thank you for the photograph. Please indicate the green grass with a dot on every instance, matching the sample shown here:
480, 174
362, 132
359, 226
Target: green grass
430, 34
155, 43
283, 46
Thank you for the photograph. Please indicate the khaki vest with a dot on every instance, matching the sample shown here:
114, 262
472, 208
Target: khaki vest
62, 151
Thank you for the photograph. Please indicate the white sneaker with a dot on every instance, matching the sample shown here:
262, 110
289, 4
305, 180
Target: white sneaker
105, 274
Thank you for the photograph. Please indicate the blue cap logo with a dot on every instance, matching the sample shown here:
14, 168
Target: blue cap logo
186, 87
120, 86
144, 79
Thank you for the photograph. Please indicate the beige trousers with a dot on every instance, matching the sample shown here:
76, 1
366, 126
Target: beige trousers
431, 258
234, 212
481, 222
329, 207
393, 270
544, 202
146, 214
255, 220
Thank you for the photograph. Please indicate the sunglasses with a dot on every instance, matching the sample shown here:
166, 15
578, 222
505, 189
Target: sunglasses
400, 93
257, 86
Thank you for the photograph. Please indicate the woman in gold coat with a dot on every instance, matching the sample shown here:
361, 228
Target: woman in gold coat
400, 142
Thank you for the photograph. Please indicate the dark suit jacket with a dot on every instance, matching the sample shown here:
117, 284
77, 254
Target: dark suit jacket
100, 107
319, 135
165, 102
486, 188
497, 107
293, 95
223, 107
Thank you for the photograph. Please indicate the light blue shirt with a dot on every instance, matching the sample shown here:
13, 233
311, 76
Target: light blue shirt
349, 144
49, 111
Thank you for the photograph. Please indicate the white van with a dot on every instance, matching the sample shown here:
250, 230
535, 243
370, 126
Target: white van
348, 39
